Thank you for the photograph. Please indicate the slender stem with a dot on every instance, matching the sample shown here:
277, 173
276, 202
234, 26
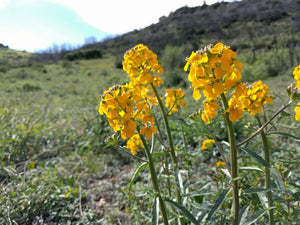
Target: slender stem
263, 126
233, 162
155, 181
218, 146
182, 132
268, 173
172, 150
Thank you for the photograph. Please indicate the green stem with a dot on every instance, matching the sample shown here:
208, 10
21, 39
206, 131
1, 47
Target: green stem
268, 173
263, 126
233, 162
155, 181
172, 149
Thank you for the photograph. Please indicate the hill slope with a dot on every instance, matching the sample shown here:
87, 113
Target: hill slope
249, 24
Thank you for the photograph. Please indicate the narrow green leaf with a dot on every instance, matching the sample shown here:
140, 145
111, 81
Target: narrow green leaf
278, 179
155, 212
183, 210
263, 199
179, 119
158, 154
218, 203
290, 162
243, 214
284, 134
202, 192
178, 180
250, 168
136, 173
255, 190
258, 158
252, 219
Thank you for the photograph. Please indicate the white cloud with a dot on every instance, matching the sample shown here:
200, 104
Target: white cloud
3, 3
119, 16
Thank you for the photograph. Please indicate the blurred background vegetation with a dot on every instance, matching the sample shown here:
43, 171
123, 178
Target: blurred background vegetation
55, 165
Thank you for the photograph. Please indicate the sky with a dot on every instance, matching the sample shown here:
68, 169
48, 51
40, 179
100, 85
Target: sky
33, 25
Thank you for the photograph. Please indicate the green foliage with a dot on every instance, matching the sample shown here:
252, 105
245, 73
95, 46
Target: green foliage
84, 54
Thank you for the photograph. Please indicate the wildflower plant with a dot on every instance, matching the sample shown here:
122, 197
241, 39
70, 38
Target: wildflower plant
129, 108
215, 75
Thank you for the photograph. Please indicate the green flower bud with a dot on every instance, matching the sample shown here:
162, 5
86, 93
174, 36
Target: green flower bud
293, 92
196, 116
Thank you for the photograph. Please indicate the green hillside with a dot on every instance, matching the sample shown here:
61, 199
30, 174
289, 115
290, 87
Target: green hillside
12, 58
244, 25
265, 34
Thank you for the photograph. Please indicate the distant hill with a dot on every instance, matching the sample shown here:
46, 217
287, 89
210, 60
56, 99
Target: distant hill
245, 25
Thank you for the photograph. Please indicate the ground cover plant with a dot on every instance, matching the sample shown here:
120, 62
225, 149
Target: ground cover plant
61, 163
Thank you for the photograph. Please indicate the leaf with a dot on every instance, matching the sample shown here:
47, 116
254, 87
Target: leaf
284, 134
243, 214
258, 158
290, 162
136, 173
158, 154
178, 180
252, 219
183, 210
202, 192
251, 168
256, 190
179, 119
218, 203
278, 179
155, 212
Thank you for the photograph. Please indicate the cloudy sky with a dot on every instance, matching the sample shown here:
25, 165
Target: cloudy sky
33, 25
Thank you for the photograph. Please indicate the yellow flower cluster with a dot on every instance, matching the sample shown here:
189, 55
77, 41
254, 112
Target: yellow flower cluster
220, 164
296, 74
128, 107
297, 111
296, 92
117, 105
214, 70
248, 99
174, 98
141, 64
206, 144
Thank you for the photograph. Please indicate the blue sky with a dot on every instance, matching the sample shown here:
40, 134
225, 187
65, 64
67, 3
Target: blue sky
33, 25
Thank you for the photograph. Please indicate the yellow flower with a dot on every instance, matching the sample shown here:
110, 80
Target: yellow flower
148, 131
259, 95
141, 64
297, 111
214, 70
220, 164
128, 129
235, 109
210, 109
296, 74
174, 98
148, 118
206, 144
134, 143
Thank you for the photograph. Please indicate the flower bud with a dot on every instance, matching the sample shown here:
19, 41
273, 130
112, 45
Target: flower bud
293, 92
196, 116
